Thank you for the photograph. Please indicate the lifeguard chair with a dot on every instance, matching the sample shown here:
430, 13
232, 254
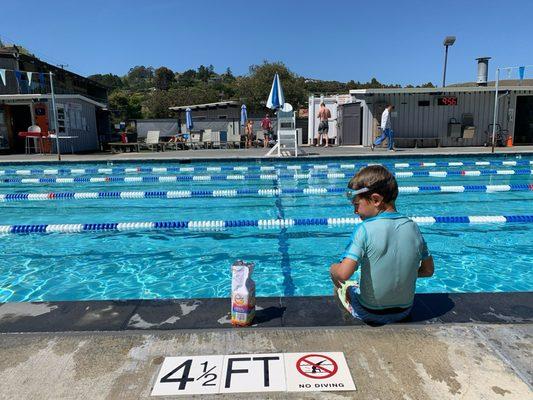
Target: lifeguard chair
287, 143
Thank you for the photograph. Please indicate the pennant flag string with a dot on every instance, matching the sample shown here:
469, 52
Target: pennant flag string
521, 71
18, 76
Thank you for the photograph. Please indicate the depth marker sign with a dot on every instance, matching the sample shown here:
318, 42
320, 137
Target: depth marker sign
245, 373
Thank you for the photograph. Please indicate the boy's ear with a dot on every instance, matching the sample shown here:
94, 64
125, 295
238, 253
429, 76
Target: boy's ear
376, 198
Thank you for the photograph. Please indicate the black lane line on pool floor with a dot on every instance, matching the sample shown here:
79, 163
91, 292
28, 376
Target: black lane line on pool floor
283, 245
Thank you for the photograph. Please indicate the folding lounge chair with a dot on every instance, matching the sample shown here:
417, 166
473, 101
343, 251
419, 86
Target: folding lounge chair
152, 141
195, 140
207, 139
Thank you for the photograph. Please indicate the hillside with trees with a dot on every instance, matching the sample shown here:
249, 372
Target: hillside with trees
145, 92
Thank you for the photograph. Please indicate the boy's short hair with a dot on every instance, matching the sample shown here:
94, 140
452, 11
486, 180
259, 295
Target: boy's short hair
377, 179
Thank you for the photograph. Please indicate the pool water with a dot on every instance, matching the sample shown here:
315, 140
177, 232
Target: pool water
289, 261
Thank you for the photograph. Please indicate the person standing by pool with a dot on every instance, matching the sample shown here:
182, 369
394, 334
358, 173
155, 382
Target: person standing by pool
266, 125
386, 129
249, 133
388, 248
323, 128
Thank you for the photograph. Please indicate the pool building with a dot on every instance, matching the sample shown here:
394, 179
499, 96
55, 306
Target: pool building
450, 116
25, 100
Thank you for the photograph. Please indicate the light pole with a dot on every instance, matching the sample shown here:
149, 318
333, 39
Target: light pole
54, 112
448, 41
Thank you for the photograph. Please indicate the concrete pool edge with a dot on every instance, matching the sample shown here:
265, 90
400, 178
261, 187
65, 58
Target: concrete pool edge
257, 155
272, 312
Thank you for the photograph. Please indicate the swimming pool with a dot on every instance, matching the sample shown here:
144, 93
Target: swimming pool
129, 261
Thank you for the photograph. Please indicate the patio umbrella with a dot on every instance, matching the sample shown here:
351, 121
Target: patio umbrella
276, 99
244, 115
188, 119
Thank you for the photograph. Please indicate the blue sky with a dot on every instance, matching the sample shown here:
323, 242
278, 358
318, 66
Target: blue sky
394, 41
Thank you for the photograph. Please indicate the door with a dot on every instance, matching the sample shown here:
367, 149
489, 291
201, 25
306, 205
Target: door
523, 132
4, 131
351, 124
20, 122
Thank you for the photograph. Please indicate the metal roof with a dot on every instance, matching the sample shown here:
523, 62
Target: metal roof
207, 105
30, 97
448, 89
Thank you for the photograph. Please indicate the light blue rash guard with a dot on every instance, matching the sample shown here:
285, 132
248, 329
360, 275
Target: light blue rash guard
388, 249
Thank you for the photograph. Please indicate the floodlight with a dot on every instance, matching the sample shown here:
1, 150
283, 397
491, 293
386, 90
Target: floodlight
449, 40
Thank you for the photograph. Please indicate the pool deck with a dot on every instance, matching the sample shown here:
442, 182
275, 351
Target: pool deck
468, 346
254, 154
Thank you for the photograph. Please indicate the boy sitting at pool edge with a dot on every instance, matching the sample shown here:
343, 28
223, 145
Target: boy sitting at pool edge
387, 246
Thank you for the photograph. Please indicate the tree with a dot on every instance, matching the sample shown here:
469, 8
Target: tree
204, 73
254, 88
325, 87
163, 78
125, 105
227, 77
187, 78
140, 77
111, 81
157, 104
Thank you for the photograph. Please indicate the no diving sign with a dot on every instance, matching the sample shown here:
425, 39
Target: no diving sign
317, 372
317, 366
245, 373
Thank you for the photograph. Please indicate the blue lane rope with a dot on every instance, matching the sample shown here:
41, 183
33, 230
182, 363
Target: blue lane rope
176, 194
214, 225
258, 168
248, 177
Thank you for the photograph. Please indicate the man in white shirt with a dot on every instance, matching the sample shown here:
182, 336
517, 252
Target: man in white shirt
386, 129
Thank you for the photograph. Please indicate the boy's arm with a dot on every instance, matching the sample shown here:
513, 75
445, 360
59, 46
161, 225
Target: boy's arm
341, 272
427, 268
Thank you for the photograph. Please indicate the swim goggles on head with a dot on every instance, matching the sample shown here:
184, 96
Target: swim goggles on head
350, 193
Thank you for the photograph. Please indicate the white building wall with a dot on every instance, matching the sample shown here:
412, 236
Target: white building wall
413, 121
79, 121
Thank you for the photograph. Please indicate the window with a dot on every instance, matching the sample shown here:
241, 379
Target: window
423, 103
61, 119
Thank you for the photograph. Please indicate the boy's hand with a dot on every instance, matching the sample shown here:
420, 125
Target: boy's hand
427, 268
341, 272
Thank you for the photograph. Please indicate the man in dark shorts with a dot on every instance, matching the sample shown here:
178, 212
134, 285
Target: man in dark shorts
323, 114
266, 125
